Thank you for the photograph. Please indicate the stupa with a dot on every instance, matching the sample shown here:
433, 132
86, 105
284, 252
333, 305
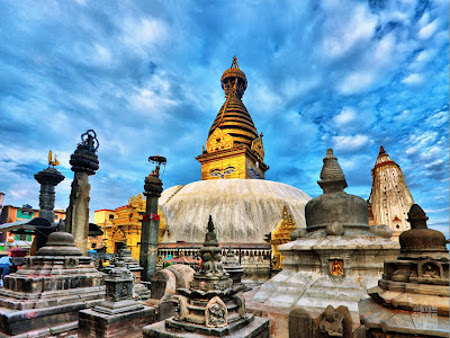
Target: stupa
338, 257
232, 189
281, 235
390, 198
412, 298
211, 306
43, 298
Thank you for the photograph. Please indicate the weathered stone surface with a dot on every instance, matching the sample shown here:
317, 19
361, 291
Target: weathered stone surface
336, 260
211, 306
258, 328
84, 163
412, 298
95, 324
168, 280
50, 290
300, 324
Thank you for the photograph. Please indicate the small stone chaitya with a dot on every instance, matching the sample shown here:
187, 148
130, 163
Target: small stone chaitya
211, 306
119, 314
412, 298
337, 258
44, 297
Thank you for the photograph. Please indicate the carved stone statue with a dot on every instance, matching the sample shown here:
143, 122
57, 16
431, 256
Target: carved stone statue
331, 323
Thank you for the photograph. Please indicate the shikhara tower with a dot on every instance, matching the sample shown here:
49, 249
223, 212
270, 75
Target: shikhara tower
390, 197
233, 149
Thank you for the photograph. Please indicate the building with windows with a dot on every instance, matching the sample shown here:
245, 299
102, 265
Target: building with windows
10, 214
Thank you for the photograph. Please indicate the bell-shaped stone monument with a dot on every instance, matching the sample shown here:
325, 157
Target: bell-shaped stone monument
412, 298
336, 260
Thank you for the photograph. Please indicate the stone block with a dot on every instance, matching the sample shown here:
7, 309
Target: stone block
300, 324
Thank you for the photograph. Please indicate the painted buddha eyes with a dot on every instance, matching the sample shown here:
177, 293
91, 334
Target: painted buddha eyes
220, 173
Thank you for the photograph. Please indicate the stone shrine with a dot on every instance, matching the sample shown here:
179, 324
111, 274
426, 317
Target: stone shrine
281, 235
338, 257
43, 298
390, 198
211, 306
412, 298
119, 315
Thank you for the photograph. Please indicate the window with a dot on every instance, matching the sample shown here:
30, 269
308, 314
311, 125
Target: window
111, 216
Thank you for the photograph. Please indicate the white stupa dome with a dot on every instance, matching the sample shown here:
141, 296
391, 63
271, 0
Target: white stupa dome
243, 210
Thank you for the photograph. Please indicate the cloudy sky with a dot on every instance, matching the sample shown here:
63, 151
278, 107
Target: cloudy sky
351, 75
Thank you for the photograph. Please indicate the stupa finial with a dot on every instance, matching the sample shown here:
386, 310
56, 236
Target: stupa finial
211, 237
332, 177
234, 64
417, 217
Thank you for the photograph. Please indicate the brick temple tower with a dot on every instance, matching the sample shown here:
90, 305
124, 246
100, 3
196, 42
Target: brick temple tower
390, 199
233, 148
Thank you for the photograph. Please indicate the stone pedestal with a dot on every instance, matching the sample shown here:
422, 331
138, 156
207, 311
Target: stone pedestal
257, 328
46, 295
119, 315
84, 163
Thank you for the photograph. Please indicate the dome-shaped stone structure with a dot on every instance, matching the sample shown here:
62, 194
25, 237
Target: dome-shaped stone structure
421, 241
243, 209
335, 205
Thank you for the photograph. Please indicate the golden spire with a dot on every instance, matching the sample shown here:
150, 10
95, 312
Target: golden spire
52, 162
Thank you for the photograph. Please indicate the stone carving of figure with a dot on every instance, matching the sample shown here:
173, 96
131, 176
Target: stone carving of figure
331, 323
216, 313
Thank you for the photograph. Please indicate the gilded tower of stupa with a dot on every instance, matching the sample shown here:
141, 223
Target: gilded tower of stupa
390, 198
233, 148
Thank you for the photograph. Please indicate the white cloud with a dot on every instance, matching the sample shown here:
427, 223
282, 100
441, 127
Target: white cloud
353, 26
414, 79
427, 31
350, 143
356, 82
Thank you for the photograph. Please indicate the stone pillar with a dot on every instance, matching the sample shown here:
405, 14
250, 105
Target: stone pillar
84, 163
150, 226
48, 179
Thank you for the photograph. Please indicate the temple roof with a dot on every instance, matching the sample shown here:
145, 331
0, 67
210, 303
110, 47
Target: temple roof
233, 117
383, 159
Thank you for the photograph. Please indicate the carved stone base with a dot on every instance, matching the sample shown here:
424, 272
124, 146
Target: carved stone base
129, 324
250, 327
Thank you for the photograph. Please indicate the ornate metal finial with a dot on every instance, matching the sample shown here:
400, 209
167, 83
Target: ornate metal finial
158, 160
417, 217
89, 141
234, 64
382, 151
211, 236
52, 162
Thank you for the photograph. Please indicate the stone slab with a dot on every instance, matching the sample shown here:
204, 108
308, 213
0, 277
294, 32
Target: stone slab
130, 324
258, 328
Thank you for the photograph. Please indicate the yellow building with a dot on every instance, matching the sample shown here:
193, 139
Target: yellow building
233, 148
122, 226
281, 235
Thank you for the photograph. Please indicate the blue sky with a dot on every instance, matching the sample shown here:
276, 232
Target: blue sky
351, 75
